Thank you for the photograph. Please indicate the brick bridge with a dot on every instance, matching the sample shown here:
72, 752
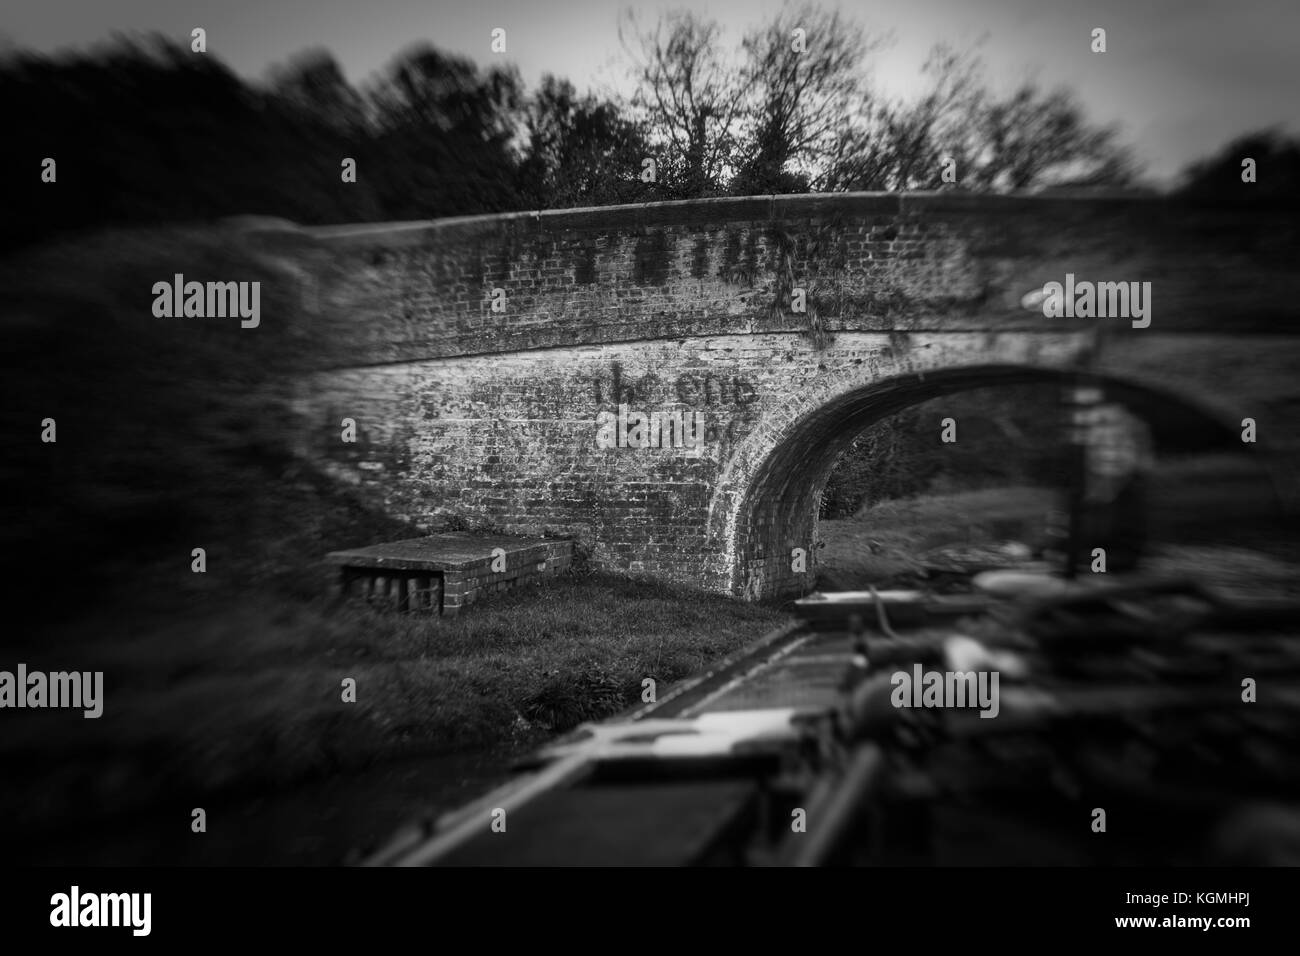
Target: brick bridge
466, 415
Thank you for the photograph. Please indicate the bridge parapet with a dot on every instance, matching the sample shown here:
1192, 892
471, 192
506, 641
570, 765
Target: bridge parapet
865, 262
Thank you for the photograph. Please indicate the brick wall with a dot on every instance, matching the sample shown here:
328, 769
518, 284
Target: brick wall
464, 414
477, 581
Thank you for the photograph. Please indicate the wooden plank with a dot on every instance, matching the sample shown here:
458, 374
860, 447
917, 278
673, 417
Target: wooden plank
444, 553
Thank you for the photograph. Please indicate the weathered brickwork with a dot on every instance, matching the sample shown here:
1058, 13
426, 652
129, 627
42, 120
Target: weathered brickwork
478, 581
469, 416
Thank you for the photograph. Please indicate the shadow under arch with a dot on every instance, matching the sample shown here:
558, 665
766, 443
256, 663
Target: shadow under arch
758, 515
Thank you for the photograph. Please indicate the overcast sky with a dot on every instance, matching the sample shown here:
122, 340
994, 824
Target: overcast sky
1181, 76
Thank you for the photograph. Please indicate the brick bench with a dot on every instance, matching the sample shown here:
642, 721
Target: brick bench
445, 572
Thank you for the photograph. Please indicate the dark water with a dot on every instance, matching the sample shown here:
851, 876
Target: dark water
325, 823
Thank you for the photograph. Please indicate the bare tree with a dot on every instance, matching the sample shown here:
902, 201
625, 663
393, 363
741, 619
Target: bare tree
690, 99
313, 83
903, 145
581, 150
804, 74
459, 126
1028, 139
1033, 138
